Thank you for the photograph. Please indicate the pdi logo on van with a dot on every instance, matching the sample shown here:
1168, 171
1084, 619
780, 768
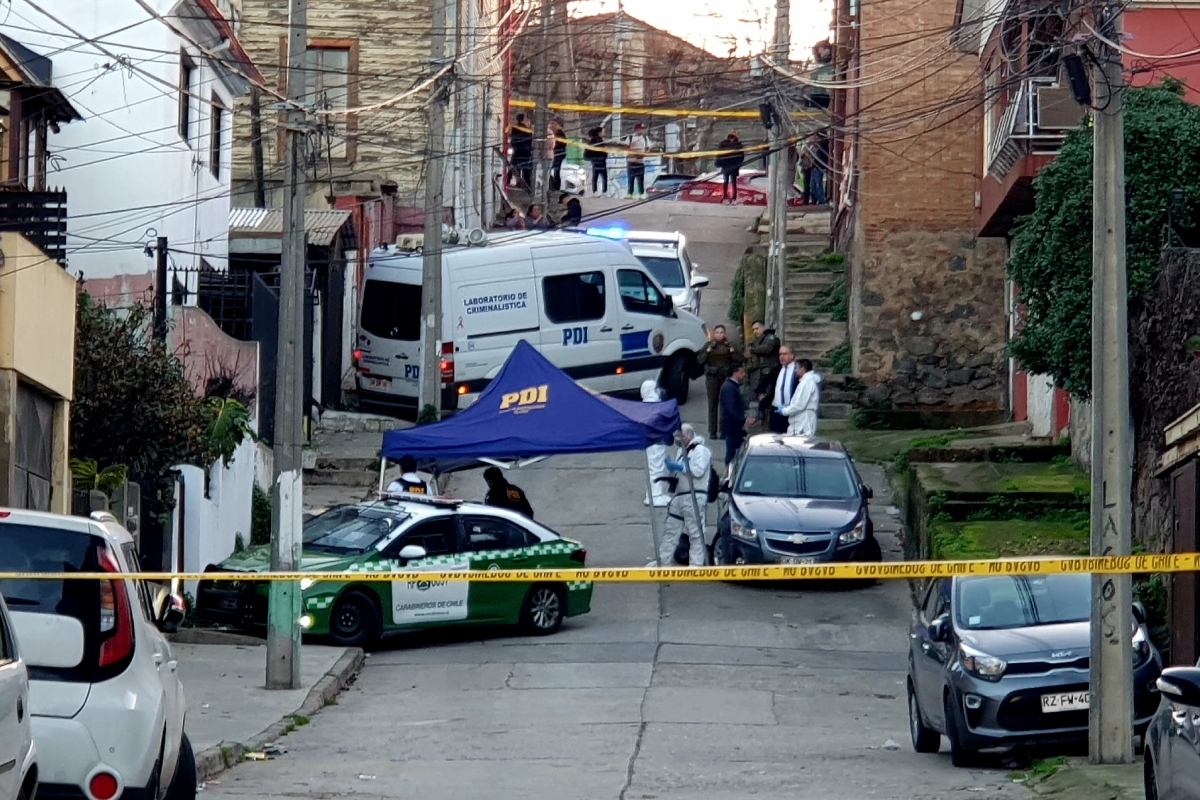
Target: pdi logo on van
657, 342
532, 399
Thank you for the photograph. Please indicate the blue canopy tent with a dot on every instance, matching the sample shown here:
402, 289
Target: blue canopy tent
533, 409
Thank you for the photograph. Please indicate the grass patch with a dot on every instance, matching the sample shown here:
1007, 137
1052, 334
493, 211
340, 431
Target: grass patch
833, 299
1057, 533
873, 446
827, 262
837, 360
1040, 770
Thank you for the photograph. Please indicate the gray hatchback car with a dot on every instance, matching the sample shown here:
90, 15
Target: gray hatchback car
794, 500
1003, 660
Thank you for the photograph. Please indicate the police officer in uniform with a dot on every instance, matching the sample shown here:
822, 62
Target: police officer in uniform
719, 358
409, 481
763, 353
503, 494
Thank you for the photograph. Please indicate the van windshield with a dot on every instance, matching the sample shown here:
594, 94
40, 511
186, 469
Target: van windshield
391, 310
666, 272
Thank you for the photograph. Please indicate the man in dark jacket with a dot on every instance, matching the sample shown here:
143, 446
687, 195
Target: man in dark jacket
558, 154
503, 494
719, 358
595, 154
733, 414
520, 139
763, 355
730, 163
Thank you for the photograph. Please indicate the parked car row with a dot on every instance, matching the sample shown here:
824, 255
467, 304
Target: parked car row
91, 705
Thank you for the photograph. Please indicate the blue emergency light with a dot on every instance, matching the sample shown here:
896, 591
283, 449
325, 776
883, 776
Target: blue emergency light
607, 233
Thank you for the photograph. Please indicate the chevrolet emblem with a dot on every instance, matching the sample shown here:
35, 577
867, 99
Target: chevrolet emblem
799, 538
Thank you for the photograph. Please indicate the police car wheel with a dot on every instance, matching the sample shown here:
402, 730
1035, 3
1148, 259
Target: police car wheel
543, 611
354, 621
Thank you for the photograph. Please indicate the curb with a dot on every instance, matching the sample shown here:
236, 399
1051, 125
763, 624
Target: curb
213, 760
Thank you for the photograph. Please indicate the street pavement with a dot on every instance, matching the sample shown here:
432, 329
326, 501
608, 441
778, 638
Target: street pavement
671, 692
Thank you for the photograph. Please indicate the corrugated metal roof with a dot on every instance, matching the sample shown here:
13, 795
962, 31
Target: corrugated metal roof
267, 223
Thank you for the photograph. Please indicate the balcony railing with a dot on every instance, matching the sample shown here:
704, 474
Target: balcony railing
41, 217
1038, 117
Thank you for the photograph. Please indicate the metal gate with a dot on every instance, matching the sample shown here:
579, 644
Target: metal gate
35, 449
1184, 596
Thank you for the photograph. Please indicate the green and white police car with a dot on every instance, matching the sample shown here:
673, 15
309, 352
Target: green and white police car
399, 532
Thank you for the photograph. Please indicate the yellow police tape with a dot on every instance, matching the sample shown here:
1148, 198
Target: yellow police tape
889, 570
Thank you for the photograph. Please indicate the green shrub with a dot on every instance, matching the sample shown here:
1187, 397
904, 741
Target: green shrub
260, 517
833, 299
737, 296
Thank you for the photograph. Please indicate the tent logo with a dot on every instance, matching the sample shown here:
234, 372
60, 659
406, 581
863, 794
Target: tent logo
530, 399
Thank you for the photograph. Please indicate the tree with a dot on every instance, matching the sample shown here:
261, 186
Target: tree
134, 406
1051, 261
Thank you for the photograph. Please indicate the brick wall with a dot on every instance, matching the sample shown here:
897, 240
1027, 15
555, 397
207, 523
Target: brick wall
913, 249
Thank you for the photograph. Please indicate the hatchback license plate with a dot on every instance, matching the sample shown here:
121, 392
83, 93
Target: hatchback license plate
1070, 701
798, 560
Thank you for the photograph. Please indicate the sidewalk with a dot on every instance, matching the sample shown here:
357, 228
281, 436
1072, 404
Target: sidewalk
1079, 780
229, 712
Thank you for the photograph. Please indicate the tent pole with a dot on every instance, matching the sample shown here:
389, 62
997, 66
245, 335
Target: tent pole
382, 470
700, 521
655, 523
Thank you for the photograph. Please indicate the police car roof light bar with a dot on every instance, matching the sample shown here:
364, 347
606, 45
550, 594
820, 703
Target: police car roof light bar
405, 497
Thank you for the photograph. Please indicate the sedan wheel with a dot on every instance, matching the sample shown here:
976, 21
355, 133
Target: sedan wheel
543, 611
924, 740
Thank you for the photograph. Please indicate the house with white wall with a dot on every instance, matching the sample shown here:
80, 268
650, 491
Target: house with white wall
156, 82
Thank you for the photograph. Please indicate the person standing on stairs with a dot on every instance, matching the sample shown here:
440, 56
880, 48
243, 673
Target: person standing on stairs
763, 366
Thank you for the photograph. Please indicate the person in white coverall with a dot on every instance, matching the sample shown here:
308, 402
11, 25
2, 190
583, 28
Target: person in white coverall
656, 454
694, 456
801, 409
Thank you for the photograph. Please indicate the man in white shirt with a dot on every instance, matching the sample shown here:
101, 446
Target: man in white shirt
801, 410
409, 481
785, 388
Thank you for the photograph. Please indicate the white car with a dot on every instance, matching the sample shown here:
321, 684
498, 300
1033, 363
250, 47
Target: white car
665, 256
105, 699
18, 756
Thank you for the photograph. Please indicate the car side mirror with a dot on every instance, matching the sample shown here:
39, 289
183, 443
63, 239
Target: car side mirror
699, 281
867, 491
170, 610
1139, 612
412, 552
1181, 685
939, 629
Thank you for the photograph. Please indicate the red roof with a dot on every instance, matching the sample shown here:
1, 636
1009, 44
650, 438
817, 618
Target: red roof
248, 69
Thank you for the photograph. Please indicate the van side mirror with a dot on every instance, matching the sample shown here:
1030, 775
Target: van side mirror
867, 491
412, 552
1139, 612
698, 281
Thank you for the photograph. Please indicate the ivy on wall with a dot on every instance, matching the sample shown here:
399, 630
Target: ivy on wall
1051, 260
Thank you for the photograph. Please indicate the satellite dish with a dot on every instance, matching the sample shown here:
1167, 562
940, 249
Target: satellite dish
476, 237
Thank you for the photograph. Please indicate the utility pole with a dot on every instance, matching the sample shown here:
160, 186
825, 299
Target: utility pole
1110, 713
778, 163
431, 249
283, 623
160, 290
618, 85
541, 112
256, 147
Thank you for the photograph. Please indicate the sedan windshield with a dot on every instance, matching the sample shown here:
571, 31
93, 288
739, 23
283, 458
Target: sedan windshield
786, 476
1020, 601
666, 272
349, 529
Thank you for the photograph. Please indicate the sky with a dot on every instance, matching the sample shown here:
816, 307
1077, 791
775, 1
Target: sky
718, 25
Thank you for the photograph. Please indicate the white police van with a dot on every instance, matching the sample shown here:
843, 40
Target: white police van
585, 302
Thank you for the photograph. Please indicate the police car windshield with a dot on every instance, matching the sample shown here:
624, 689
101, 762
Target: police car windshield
666, 272
350, 529
787, 476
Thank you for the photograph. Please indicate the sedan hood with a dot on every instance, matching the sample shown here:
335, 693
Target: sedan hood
797, 514
258, 559
1064, 641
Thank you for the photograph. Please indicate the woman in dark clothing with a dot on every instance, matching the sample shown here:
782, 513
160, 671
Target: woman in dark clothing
730, 163
598, 158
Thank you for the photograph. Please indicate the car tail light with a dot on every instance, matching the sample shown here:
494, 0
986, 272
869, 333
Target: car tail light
104, 786
579, 555
447, 363
116, 619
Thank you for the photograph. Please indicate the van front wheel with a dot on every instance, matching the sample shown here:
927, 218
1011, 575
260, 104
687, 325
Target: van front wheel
675, 378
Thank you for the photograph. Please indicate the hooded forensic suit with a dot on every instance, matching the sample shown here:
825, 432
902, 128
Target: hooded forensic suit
656, 454
695, 457
801, 408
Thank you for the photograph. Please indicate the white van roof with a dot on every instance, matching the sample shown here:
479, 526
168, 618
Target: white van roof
514, 243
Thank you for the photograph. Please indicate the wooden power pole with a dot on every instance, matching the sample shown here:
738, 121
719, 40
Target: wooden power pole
283, 623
